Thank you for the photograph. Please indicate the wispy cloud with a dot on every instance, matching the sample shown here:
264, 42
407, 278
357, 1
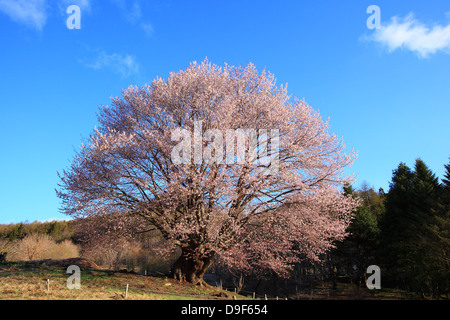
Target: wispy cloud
148, 28
410, 34
32, 13
125, 65
134, 15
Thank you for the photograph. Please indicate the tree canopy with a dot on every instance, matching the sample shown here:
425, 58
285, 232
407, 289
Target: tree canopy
158, 157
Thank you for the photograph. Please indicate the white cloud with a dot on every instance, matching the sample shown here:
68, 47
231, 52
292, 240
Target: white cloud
32, 13
410, 34
125, 65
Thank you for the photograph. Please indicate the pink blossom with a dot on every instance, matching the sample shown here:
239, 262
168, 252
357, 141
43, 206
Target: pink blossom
232, 211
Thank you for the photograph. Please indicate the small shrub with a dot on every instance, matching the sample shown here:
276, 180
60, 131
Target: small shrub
38, 246
63, 250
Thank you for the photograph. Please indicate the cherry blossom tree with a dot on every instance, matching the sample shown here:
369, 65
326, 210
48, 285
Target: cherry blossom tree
248, 213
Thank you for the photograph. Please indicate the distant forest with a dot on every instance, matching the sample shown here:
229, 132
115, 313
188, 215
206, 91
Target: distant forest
58, 230
405, 231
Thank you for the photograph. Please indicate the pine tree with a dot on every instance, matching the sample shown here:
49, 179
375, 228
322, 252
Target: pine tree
423, 246
441, 233
414, 229
348, 189
17, 233
357, 251
394, 224
446, 179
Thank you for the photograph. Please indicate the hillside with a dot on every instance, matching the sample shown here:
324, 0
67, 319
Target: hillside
28, 281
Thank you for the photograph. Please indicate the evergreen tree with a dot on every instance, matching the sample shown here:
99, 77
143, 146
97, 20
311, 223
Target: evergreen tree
17, 233
393, 224
423, 247
348, 189
446, 179
357, 251
413, 229
441, 236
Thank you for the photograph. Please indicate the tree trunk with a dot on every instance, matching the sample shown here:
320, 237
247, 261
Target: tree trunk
191, 267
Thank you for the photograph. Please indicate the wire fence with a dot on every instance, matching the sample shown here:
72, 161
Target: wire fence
252, 294
233, 293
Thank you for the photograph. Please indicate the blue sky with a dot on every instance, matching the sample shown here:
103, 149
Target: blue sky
386, 90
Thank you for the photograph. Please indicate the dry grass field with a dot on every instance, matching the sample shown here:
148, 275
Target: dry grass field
28, 281
24, 281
